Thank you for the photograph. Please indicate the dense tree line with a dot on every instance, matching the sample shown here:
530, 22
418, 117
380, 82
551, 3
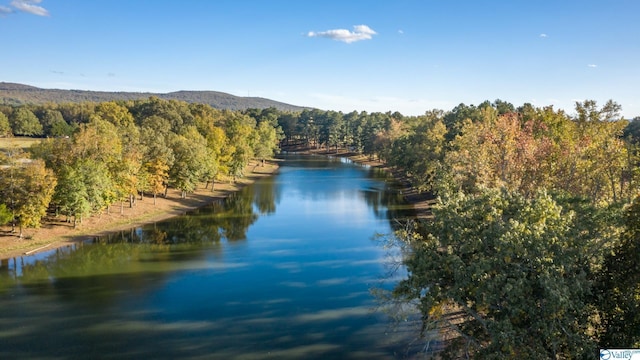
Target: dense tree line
99, 154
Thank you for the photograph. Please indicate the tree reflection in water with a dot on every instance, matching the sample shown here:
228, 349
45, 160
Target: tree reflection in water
163, 243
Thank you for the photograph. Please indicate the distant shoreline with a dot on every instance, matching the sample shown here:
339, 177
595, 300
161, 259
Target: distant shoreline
420, 202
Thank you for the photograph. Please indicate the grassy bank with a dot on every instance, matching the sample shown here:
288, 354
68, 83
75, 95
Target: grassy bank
17, 142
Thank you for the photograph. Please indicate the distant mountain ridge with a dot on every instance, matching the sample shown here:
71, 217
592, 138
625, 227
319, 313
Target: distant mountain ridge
19, 94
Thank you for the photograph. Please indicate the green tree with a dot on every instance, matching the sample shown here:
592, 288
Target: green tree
115, 113
97, 140
175, 112
418, 152
631, 131
588, 111
5, 126
54, 124
336, 130
353, 132
5, 214
71, 195
513, 271
456, 118
266, 144
240, 130
190, 153
24, 123
618, 290
308, 127
158, 156
97, 152
288, 122
77, 113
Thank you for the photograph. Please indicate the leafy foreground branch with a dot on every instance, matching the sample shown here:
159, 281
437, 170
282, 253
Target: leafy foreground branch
538, 278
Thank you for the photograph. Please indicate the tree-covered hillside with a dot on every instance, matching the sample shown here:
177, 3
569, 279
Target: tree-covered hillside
19, 94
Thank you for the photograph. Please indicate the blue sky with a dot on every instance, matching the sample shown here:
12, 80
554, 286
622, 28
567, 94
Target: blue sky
404, 55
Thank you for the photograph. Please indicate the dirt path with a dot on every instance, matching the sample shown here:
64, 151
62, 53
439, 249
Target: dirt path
55, 234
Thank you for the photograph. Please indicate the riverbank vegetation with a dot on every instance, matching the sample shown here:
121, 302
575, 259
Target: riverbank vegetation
532, 246
97, 155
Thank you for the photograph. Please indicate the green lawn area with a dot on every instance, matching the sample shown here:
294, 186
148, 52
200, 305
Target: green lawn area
20, 142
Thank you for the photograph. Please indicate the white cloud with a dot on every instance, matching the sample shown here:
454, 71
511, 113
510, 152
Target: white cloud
30, 6
360, 32
592, 65
400, 32
543, 35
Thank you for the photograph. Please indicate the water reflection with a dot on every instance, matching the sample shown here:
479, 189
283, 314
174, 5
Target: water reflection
279, 270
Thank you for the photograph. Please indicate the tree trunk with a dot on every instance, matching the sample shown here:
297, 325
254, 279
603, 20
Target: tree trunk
154, 198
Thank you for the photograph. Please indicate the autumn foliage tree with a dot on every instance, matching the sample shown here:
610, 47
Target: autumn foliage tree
528, 212
26, 189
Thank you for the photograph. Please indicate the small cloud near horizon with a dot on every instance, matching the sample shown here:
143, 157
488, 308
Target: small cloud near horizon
27, 6
360, 32
592, 65
543, 35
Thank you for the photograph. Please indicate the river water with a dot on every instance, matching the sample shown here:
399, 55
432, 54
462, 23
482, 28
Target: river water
280, 270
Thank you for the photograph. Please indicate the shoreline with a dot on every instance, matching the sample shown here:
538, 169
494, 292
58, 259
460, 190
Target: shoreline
54, 235
58, 234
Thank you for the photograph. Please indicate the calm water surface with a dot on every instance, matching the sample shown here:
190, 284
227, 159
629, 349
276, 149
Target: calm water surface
282, 269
